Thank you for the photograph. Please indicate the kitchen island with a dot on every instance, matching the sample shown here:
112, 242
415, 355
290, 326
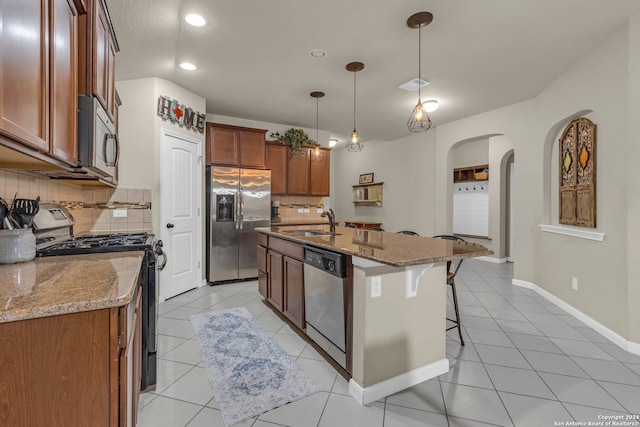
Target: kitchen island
70, 340
396, 304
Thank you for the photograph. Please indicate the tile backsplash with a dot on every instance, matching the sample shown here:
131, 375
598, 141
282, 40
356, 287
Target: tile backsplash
290, 206
92, 208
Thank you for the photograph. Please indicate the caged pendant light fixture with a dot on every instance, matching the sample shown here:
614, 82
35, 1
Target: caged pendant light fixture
353, 143
317, 95
419, 120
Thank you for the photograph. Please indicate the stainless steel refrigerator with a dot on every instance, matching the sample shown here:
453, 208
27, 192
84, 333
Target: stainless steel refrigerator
238, 201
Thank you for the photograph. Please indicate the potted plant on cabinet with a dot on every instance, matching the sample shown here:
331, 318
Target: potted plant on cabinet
294, 138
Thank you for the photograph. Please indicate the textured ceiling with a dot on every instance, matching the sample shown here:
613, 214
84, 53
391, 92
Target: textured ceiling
253, 55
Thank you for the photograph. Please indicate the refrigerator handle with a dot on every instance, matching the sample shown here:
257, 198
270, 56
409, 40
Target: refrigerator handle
236, 211
241, 209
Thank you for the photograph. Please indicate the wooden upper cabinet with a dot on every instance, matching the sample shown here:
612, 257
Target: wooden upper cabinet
298, 173
222, 145
64, 81
24, 72
38, 75
252, 148
276, 160
97, 47
305, 174
235, 146
104, 59
319, 172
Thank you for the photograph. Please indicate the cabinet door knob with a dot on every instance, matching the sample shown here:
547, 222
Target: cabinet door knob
169, 225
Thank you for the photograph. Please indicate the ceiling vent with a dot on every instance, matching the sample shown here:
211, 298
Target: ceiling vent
414, 84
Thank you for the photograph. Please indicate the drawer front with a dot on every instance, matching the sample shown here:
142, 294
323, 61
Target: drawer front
286, 247
262, 258
263, 240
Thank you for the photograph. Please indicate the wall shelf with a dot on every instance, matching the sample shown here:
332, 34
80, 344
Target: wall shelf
368, 194
471, 173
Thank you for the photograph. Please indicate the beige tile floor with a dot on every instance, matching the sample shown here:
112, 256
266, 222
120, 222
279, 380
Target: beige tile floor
526, 363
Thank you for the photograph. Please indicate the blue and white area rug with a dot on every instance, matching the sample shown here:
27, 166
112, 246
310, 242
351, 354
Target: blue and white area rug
248, 371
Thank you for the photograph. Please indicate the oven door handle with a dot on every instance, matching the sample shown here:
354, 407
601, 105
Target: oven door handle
160, 253
164, 261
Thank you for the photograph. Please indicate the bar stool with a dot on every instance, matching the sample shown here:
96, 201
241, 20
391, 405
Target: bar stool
352, 225
411, 233
451, 274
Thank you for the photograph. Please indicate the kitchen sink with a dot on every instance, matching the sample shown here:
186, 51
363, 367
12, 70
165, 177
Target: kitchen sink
310, 233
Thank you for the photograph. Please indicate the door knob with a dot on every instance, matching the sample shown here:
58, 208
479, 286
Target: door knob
169, 225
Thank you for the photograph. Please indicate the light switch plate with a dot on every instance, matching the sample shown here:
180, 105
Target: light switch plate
376, 286
305, 210
300, 210
119, 213
319, 210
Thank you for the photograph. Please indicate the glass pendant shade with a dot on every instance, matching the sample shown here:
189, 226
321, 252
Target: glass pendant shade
354, 143
419, 120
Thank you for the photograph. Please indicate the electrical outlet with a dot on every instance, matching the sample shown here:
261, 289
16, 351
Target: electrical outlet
574, 283
319, 210
300, 210
305, 210
376, 286
119, 213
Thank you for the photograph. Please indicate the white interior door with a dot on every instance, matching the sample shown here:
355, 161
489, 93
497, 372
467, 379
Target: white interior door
180, 182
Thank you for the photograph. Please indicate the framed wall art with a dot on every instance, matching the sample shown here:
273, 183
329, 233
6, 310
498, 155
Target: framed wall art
366, 178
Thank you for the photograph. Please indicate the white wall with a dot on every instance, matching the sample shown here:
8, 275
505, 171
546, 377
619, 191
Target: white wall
632, 156
140, 133
599, 83
471, 153
406, 167
605, 86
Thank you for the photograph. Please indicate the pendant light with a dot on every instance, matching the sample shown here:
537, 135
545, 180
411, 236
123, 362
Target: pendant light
354, 144
419, 120
317, 95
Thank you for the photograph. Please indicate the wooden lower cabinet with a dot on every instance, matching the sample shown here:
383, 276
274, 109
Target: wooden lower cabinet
275, 292
263, 276
294, 291
75, 369
283, 279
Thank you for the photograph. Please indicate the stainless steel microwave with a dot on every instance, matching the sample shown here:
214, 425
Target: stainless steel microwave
98, 145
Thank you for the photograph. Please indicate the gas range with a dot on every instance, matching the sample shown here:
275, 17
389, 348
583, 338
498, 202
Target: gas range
98, 243
53, 227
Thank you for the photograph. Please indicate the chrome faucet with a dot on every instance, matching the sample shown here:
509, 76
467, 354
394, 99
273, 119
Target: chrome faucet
332, 219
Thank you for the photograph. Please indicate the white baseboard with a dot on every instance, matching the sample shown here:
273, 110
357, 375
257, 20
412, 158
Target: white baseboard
492, 259
398, 383
612, 336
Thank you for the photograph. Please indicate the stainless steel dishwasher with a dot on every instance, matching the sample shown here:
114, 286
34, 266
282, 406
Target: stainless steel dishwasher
325, 300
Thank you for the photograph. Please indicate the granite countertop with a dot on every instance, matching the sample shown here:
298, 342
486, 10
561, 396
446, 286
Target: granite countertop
398, 250
56, 285
300, 222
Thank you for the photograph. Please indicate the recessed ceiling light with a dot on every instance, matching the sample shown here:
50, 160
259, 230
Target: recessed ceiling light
188, 66
430, 105
318, 53
414, 84
333, 142
195, 20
